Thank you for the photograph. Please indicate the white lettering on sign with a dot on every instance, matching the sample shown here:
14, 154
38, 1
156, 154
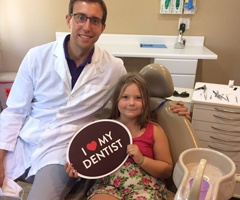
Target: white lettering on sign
106, 151
84, 151
105, 139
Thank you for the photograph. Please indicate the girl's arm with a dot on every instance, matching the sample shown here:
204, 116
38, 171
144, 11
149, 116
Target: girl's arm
161, 166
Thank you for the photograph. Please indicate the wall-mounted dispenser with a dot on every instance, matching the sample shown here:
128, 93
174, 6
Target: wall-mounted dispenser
177, 6
180, 44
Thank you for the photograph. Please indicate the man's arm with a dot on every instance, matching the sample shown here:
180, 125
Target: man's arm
181, 110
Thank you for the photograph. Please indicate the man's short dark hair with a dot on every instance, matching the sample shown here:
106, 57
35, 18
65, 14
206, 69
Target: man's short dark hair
101, 2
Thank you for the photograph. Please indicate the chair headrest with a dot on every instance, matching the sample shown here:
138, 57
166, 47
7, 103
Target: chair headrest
158, 79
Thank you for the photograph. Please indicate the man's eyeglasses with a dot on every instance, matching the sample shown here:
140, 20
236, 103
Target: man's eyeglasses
82, 18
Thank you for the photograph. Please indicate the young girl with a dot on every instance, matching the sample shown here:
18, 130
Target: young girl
142, 176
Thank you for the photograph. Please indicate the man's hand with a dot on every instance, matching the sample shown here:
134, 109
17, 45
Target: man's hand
181, 110
69, 169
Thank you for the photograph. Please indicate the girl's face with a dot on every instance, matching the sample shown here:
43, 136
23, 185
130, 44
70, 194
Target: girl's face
130, 104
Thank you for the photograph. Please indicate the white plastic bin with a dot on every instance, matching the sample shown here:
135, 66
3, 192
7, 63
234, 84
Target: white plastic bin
6, 81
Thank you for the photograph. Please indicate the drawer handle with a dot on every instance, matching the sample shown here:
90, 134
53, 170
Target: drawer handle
228, 111
227, 118
224, 140
225, 150
230, 131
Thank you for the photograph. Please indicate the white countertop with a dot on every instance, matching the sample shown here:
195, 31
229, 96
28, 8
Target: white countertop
231, 95
187, 100
189, 52
127, 45
7, 77
183, 99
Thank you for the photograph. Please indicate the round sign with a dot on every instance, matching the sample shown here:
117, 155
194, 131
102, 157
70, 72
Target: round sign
99, 148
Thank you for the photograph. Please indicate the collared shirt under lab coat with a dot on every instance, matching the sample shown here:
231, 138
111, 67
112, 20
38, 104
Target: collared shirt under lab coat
44, 112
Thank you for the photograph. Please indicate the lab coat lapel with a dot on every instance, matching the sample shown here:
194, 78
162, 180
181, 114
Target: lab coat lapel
61, 65
87, 74
90, 71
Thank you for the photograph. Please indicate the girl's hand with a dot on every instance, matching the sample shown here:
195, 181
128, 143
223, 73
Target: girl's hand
135, 153
69, 169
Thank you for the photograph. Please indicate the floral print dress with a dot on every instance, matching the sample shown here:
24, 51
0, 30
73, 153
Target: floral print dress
130, 181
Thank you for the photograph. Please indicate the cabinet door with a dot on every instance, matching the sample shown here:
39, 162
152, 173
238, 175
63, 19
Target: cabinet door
183, 71
178, 66
183, 80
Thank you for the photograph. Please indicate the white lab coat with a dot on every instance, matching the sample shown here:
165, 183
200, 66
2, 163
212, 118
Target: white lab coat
43, 111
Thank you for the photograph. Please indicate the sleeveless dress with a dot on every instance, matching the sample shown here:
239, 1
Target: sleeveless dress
130, 181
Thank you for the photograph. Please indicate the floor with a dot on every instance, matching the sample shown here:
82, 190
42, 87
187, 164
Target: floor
27, 186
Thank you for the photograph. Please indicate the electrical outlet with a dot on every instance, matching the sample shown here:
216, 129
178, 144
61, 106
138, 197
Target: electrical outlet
186, 21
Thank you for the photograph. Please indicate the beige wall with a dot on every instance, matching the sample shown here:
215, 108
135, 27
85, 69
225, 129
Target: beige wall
27, 23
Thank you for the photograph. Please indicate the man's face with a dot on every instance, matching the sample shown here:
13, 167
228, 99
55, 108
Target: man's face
84, 34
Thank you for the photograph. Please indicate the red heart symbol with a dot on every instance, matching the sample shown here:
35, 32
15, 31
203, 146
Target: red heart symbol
92, 146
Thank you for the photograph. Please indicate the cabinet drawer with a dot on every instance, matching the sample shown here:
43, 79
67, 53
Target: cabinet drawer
218, 138
237, 191
226, 109
216, 116
234, 156
231, 151
178, 66
237, 188
216, 128
237, 169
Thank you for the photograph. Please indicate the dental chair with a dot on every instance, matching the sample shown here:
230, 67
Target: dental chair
179, 131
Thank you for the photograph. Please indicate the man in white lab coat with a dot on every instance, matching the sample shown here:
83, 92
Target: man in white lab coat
59, 88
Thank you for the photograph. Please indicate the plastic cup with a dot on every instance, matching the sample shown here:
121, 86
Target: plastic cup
203, 190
